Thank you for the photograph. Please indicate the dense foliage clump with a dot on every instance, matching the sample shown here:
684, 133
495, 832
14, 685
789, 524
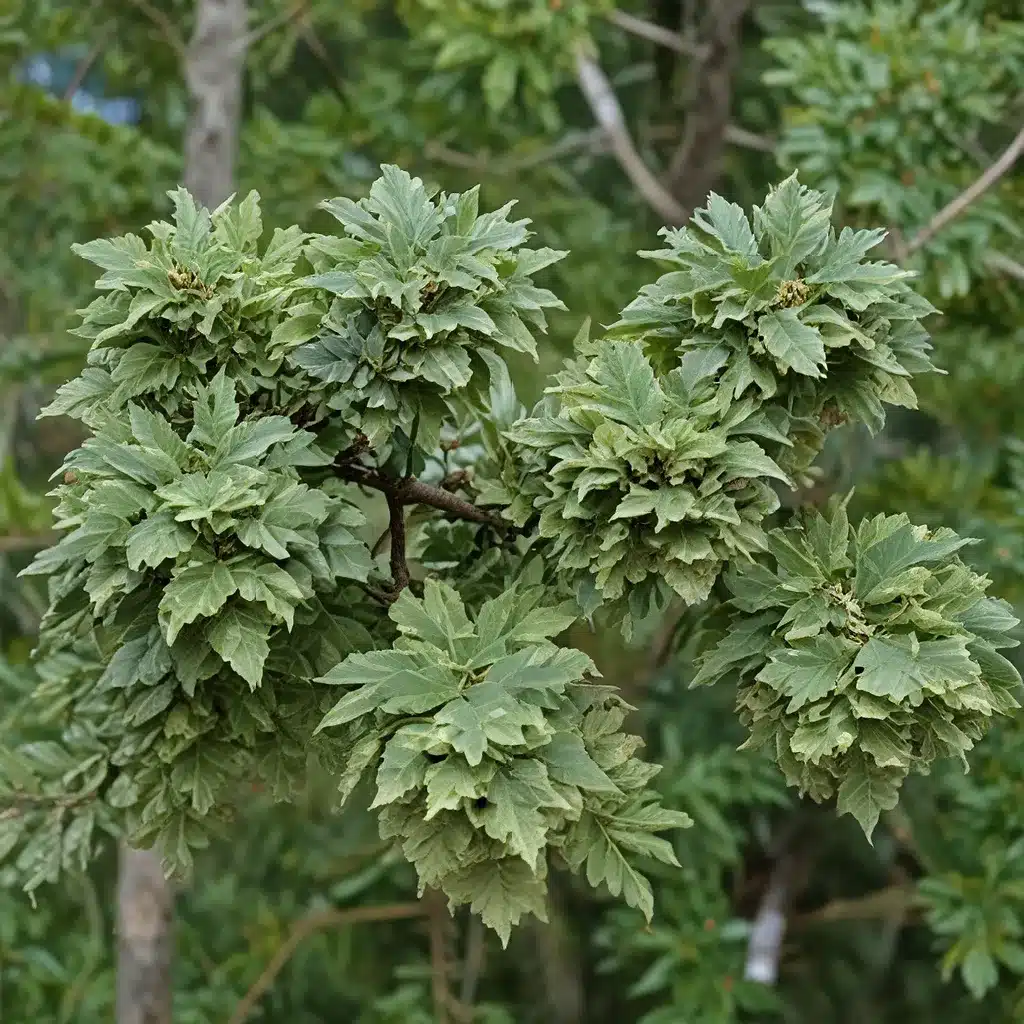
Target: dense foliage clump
862, 655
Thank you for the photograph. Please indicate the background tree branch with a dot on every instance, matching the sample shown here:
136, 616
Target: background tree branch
604, 104
696, 165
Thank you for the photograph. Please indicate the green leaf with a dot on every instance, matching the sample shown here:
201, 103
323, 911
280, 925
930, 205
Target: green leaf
809, 670
402, 768
439, 617
501, 892
568, 762
794, 345
239, 636
866, 792
499, 81
902, 667
197, 591
157, 538
512, 816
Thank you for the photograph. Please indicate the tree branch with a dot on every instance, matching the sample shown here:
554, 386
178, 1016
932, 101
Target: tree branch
973, 192
27, 542
166, 26
213, 74
399, 565
764, 948
655, 33
331, 918
604, 104
440, 922
473, 963
411, 491
696, 164
297, 11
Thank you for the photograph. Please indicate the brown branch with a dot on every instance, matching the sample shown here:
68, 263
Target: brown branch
596, 140
440, 923
604, 104
295, 13
473, 963
399, 565
696, 165
85, 64
1002, 264
27, 542
893, 902
953, 209
318, 921
166, 26
655, 33
411, 491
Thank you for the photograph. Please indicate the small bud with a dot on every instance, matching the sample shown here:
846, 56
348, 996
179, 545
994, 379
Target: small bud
71, 477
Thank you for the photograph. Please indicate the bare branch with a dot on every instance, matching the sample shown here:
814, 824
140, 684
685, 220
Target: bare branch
973, 192
440, 925
1004, 265
331, 918
414, 492
294, 13
895, 902
27, 542
655, 33
764, 948
213, 74
473, 962
86, 63
604, 104
145, 909
573, 142
166, 26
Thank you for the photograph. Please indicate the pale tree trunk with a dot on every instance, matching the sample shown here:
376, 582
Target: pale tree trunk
213, 72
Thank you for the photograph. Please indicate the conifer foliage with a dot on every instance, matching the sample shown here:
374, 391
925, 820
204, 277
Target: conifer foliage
215, 587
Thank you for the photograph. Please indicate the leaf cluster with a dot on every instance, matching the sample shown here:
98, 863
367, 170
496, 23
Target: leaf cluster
862, 655
418, 286
800, 320
494, 751
637, 482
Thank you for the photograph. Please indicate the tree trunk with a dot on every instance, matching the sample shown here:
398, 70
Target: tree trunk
213, 72
145, 907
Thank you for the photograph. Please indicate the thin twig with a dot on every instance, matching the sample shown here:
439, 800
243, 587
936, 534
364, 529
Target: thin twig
595, 140
332, 918
953, 209
655, 33
294, 13
27, 542
171, 34
895, 901
85, 65
604, 104
1003, 264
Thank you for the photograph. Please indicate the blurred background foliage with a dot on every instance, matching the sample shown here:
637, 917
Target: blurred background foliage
897, 106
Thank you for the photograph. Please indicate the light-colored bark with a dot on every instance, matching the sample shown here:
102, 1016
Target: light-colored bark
214, 63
